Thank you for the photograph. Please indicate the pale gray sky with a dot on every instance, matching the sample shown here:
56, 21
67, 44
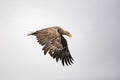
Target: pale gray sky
95, 44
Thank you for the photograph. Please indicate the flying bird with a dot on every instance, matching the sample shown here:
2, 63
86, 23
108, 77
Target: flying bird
54, 43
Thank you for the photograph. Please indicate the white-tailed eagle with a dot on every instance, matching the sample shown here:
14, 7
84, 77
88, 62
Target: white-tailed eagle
54, 43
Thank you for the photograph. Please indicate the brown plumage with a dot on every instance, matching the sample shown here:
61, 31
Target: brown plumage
54, 43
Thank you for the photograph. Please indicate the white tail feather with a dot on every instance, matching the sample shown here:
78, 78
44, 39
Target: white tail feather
30, 33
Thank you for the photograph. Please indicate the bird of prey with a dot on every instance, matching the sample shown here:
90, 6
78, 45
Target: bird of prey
54, 43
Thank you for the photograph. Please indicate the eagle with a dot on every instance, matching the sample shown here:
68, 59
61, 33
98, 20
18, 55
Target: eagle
54, 43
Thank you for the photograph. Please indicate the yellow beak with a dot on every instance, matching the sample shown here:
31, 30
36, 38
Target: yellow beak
70, 35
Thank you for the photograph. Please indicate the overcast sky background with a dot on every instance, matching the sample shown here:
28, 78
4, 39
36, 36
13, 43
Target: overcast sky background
95, 45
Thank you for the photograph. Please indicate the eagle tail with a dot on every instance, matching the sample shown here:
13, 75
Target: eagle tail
31, 33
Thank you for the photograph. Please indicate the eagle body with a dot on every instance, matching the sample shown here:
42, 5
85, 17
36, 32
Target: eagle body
54, 43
